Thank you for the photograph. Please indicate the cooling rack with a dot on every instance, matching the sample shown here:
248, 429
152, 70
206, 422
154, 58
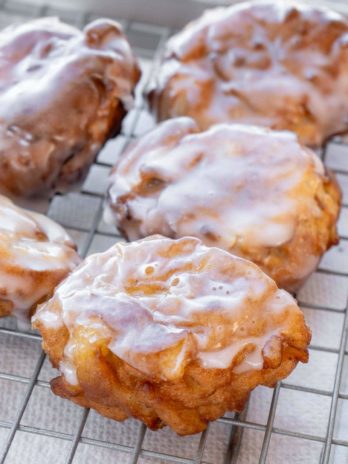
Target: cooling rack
303, 420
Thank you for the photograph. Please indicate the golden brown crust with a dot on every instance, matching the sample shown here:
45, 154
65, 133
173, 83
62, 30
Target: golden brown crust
254, 192
64, 93
282, 65
236, 331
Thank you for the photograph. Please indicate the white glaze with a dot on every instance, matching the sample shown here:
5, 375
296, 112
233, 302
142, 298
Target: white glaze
248, 185
51, 320
154, 295
69, 372
222, 358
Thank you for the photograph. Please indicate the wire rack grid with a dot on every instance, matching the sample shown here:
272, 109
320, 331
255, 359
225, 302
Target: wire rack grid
303, 420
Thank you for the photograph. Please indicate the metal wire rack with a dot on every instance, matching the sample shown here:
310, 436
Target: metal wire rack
305, 418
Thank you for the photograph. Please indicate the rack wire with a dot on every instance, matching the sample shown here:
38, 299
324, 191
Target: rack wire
304, 419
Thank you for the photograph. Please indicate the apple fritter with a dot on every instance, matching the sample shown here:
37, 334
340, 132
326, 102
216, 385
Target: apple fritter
171, 332
63, 93
252, 191
280, 64
36, 254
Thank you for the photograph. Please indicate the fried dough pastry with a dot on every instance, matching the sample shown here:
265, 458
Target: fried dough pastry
35, 255
282, 65
170, 332
63, 93
249, 190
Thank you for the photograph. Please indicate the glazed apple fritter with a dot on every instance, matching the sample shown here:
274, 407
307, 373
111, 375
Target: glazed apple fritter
279, 64
35, 255
170, 332
254, 192
63, 93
